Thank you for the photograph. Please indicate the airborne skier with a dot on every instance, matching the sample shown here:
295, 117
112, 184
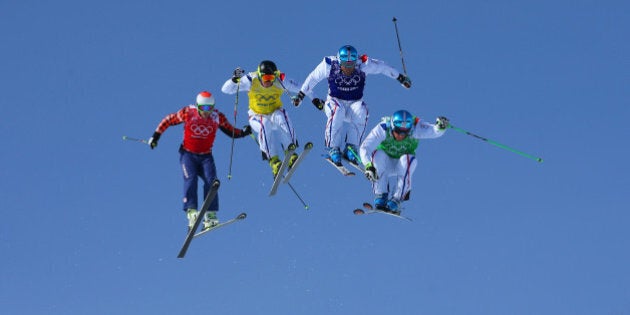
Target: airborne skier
201, 122
267, 118
389, 151
345, 109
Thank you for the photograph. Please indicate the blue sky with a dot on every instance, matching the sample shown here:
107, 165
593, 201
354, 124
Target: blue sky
92, 224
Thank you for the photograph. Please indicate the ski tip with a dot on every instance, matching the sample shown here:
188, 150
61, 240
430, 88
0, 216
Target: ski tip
216, 183
242, 216
358, 211
367, 205
308, 145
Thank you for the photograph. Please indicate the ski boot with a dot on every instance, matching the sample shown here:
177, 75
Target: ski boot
210, 220
292, 160
393, 205
380, 201
350, 154
191, 214
275, 164
335, 156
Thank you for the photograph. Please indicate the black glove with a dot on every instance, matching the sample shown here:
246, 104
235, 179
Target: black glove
153, 141
247, 130
404, 80
370, 172
297, 99
238, 73
318, 103
442, 122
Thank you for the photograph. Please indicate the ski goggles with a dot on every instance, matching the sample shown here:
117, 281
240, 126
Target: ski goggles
348, 64
402, 124
268, 77
205, 107
402, 127
348, 60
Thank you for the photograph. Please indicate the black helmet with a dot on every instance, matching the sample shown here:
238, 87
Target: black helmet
267, 67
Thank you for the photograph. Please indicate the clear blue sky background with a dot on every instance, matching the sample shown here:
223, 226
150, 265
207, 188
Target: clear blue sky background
91, 224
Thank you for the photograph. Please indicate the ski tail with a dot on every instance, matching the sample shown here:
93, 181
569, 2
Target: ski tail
342, 169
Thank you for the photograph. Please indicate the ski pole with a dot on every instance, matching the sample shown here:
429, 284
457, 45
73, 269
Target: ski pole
238, 85
298, 196
135, 139
284, 88
399, 47
502, 146
355, 154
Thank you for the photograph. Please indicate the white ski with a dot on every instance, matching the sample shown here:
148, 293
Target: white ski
283, 167
212, 193
342, 169
307, 147
369, 209
228, 222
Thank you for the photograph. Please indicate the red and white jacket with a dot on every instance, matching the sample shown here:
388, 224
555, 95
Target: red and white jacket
199, 132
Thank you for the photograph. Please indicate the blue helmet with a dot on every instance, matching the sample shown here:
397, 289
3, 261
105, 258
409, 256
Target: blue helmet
347, 55
402, 122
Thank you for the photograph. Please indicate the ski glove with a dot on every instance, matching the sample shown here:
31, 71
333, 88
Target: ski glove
297, 99
247, 130
238, 73
404, 80
370, 172
442, 122
153, 141
319, 103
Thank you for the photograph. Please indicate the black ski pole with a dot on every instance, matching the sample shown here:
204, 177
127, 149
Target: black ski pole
298, 196
238, 85
399, 47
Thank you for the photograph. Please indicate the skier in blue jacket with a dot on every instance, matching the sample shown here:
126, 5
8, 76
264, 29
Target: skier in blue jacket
345, 109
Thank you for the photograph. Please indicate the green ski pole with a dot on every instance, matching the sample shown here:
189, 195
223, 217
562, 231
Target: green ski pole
494, 143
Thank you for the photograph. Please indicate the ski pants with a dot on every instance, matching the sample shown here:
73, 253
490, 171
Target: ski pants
193, 166
401, 168
275, 132
346, 123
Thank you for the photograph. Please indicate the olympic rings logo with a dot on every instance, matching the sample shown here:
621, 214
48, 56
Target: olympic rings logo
353, 80
201, 130
261, 98
396, 148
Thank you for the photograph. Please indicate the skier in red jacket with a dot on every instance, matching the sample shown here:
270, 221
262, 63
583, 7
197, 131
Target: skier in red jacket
201, 122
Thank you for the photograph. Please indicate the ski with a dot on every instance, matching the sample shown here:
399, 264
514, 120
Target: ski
236, 219
212, 193
342, 169
369, 209
356, 166
283, 167
307, 147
